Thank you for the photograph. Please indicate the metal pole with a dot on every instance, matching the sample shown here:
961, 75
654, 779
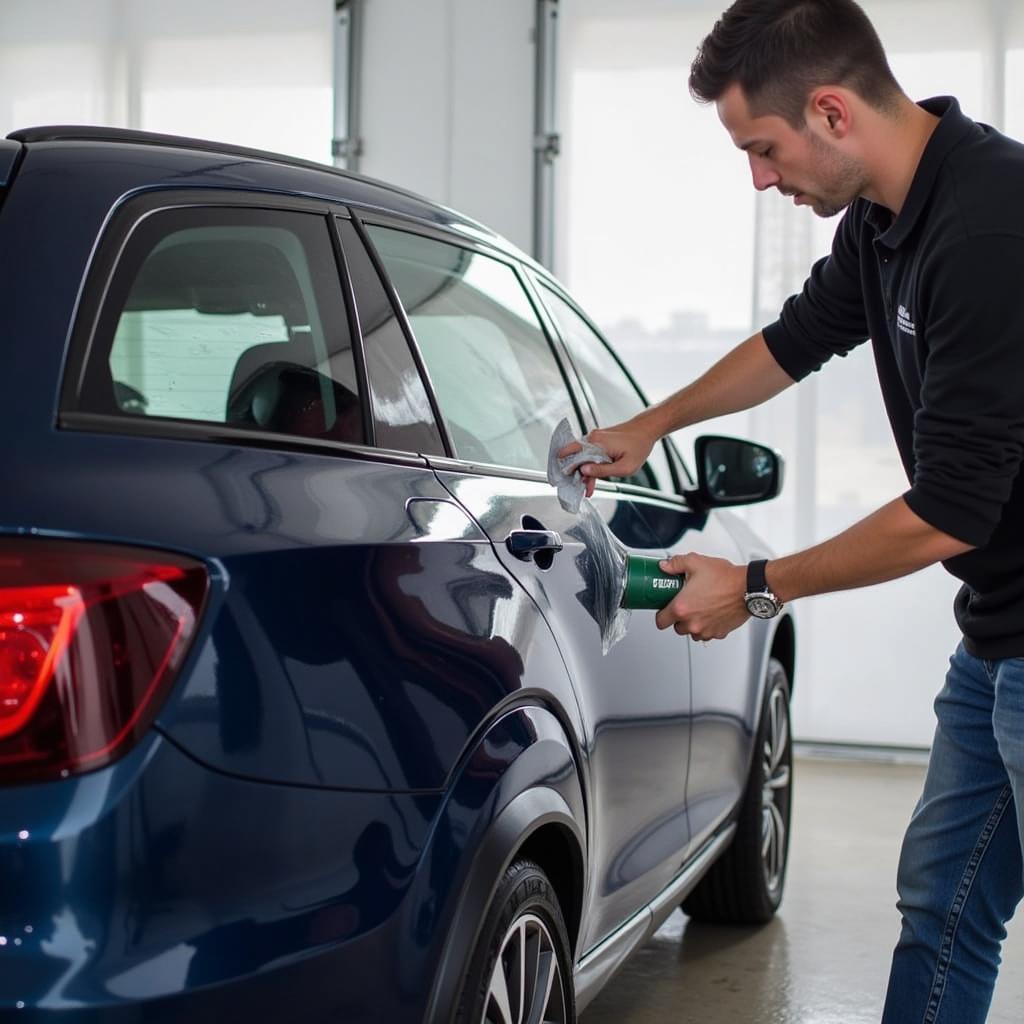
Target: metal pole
995, 63
546, 141
347, 144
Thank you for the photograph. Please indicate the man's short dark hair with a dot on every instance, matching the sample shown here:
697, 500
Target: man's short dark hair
778, 51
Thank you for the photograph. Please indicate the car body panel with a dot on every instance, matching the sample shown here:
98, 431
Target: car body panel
635, 698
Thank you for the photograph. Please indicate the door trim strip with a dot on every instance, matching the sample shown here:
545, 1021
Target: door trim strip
604, 959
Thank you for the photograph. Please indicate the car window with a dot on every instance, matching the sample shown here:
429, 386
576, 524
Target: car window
402, 416
612, 394
499, 386
229, 316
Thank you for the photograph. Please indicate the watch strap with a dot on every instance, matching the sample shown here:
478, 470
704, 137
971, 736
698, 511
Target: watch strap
757, 581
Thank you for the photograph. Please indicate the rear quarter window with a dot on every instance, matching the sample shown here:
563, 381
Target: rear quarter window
228, 316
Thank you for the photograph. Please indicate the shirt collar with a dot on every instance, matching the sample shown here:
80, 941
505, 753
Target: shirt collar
952, 127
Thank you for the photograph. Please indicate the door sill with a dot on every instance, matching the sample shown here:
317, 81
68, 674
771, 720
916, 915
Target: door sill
607, 956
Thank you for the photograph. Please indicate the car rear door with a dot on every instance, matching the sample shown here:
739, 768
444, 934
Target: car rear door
501, 391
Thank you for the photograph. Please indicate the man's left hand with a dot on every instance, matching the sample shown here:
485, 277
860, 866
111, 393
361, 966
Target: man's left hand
710, 605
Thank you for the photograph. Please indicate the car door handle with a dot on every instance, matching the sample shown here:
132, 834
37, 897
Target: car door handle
524, 544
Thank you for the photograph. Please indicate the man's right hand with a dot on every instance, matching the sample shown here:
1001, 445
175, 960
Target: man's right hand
628, 445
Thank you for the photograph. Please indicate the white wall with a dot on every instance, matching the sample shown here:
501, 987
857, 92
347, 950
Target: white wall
447, 84
447, 105
253, 72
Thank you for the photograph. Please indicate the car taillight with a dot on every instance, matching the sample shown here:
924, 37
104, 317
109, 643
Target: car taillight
91, 636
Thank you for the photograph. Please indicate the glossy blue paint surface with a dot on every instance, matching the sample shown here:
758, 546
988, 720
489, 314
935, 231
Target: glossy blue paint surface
156, 877
157, 881
379, 706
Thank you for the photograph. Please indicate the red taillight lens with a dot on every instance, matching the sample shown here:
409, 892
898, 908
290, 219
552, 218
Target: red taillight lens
91, 637
36, 624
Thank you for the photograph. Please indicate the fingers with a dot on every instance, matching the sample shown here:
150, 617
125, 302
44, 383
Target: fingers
594, 437
693, 628
677, 565
675, 612
710, 605
673, 615
601, 470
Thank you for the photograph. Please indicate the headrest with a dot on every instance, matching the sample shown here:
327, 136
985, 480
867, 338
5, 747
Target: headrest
220, 277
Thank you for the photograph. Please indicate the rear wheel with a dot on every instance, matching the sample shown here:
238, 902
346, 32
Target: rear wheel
521, 971
745, 884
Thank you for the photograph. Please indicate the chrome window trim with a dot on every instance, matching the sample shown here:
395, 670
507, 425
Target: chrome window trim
204, 431
468, 468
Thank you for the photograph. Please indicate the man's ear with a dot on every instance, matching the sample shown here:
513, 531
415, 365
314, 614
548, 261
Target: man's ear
829, 109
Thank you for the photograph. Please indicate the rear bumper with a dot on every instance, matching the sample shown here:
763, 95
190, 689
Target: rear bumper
158, 890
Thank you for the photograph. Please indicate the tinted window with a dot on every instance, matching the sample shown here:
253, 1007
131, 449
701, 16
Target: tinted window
402, 416
499, 386
229, 316
611, 392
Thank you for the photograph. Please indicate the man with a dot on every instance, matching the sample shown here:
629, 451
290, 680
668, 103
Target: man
928, 262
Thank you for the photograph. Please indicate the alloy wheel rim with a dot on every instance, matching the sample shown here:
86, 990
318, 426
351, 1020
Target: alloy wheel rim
775, 791
526, 985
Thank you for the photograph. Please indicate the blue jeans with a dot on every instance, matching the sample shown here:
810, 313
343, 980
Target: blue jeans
961, 870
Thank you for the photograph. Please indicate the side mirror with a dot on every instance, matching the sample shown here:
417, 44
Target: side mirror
735, 472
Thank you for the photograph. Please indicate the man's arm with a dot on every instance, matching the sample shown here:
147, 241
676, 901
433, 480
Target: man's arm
747, 376
888, 544
892, 542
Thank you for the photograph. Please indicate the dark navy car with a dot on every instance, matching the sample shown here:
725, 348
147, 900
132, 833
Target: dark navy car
304, 713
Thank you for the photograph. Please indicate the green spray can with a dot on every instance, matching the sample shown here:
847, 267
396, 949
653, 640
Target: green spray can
647, 585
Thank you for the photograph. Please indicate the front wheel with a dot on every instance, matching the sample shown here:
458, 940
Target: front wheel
521, 971
744, 886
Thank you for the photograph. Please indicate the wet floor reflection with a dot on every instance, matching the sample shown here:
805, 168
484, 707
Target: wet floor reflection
825, 958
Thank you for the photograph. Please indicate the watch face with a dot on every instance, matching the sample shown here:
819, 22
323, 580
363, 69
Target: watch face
762, 607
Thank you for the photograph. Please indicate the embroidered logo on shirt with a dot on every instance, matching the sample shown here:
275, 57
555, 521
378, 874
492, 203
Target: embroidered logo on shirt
904, 323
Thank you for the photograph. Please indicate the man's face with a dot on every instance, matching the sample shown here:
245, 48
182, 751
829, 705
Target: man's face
799, 162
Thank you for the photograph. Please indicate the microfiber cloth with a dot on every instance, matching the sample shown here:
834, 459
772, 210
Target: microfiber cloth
564, 474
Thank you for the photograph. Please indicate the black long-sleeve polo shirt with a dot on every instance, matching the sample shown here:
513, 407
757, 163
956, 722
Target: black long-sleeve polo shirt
939, 290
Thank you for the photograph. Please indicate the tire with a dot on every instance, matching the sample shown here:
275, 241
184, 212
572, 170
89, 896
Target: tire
744, 886
524, 915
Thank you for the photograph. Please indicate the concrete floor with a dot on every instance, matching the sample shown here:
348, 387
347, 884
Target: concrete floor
825, 957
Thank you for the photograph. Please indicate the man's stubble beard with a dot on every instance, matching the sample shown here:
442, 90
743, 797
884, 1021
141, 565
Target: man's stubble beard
842, 176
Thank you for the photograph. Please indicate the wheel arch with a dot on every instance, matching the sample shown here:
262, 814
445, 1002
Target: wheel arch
780, 644
556, 850
534, 810
783, 647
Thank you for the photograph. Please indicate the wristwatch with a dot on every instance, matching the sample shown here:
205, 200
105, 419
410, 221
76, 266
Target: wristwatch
760, 601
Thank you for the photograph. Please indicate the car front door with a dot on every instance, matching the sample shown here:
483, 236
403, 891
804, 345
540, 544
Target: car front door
724, 691
501, 391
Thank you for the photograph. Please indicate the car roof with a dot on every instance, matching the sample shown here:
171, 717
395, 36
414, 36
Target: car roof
299, 176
